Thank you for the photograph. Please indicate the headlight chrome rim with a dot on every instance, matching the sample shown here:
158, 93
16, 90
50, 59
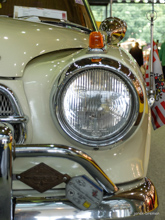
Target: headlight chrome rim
72, 72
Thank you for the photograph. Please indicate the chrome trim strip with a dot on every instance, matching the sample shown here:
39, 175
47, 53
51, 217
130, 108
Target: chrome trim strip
19, 118
5, 172
138, 202
36, 150
14, 119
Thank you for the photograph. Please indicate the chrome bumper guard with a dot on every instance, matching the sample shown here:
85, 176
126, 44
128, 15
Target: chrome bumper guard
116, 203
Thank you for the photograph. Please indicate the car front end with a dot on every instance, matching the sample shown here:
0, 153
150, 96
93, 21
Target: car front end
75, 125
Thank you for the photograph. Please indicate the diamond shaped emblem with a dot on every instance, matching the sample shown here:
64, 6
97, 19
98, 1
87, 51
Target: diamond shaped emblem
42, 177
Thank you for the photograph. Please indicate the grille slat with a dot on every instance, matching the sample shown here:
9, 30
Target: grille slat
6, 108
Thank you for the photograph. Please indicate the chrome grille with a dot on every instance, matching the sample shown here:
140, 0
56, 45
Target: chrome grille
10, 112
6, 108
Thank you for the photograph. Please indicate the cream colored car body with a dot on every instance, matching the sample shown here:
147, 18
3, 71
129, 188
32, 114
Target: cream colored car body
41, 53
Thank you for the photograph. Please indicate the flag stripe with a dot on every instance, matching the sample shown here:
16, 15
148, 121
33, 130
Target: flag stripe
158, 119
160, 114
156, 124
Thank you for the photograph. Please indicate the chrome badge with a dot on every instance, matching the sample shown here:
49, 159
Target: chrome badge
42, 177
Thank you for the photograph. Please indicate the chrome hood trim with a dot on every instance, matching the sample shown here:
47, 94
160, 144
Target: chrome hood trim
32, 39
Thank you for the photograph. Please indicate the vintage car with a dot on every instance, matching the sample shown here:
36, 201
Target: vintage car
74, 117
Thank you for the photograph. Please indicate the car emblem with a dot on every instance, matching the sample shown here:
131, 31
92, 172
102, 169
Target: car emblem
42, 177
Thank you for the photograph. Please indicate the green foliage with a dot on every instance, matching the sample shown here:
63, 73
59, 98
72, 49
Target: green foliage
135, 15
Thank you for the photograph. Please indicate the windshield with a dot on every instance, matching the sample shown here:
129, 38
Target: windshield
75, 11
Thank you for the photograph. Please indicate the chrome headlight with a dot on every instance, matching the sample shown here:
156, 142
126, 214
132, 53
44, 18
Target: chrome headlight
96, 105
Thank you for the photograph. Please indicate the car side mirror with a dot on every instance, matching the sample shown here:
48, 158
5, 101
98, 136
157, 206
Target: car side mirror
115, 29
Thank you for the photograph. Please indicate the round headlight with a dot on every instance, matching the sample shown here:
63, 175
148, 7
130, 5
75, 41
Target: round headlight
96, 106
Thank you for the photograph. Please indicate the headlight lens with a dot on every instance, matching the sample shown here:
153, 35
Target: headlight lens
95, 106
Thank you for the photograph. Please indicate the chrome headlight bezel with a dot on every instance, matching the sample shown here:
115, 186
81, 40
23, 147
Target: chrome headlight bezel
119, 70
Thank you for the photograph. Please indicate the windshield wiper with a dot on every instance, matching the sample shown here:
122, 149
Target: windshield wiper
52, 21
66, 24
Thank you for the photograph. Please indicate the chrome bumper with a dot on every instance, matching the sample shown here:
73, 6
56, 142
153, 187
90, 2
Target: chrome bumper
117, 202
139, 202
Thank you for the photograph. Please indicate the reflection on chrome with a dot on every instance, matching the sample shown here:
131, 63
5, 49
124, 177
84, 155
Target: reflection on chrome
70, 153
115, 29
5, 172
138, 201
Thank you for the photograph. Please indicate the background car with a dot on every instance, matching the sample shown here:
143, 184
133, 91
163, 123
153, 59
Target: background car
75, 103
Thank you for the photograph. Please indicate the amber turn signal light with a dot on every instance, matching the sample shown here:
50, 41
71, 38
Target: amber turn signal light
96, 40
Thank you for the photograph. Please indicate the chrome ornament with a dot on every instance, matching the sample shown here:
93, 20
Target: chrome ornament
115, 29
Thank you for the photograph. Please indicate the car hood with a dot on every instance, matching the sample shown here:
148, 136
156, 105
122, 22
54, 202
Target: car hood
21, 41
